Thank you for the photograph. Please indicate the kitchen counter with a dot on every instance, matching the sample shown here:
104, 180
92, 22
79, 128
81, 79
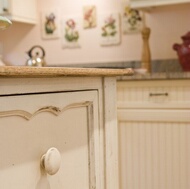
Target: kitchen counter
58, 109
22, 71
122, 74
156, 76
161, 69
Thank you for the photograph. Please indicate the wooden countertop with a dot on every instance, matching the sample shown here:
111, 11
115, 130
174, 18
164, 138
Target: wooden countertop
23, 71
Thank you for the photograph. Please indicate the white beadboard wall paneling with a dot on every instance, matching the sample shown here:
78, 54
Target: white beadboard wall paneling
181, 116
154, 155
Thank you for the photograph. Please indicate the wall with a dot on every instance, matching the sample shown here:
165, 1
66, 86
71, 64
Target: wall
167, 25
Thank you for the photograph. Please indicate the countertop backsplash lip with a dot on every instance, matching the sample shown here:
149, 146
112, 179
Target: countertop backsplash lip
161, 69
108, 65
162, 65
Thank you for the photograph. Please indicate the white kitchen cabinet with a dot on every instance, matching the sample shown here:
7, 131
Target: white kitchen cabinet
154, 3
19, 10
76, 115
154, 134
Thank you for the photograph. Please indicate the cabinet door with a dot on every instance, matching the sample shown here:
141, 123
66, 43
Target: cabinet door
19, 10
31, 124
24, 11
154, 149
4, 6
154, 155
154, 134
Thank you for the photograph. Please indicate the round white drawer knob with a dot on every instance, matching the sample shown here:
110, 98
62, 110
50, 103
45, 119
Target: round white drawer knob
51, 161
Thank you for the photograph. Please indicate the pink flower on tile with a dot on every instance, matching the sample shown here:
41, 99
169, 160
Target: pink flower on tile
71, 23
89, 16
110, 20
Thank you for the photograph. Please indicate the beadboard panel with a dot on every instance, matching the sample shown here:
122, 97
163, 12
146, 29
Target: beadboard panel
154, 155
154, 94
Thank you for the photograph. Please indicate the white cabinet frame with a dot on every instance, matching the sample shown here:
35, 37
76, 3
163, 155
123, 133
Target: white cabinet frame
154, 3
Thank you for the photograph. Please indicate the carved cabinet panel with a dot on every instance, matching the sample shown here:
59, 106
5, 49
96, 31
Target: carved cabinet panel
58, 132
31, 124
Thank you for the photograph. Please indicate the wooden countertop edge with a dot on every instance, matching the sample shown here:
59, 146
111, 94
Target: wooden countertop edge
23, 71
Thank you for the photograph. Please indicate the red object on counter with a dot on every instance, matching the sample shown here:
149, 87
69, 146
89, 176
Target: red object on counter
183, 51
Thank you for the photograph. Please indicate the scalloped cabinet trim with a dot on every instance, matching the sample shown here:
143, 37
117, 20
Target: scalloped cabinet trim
73, 116
52, 109
57, 111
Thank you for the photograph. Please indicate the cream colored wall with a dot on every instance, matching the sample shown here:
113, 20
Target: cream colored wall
167, 25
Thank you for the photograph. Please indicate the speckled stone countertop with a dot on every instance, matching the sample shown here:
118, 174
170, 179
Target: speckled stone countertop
23, 71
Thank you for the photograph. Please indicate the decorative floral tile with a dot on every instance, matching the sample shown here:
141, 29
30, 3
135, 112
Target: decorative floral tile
50, 24
132, 20
71, 36
89, 16
110, 29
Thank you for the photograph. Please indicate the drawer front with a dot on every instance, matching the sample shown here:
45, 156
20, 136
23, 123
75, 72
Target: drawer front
32, 124
154, 94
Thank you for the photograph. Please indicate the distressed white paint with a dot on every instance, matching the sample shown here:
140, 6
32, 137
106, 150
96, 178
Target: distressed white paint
24, 142
77, 119
111, 134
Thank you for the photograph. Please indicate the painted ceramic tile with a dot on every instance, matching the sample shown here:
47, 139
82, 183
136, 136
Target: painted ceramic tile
110, 29
89, 16
132, 20
50, 24
71, 32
